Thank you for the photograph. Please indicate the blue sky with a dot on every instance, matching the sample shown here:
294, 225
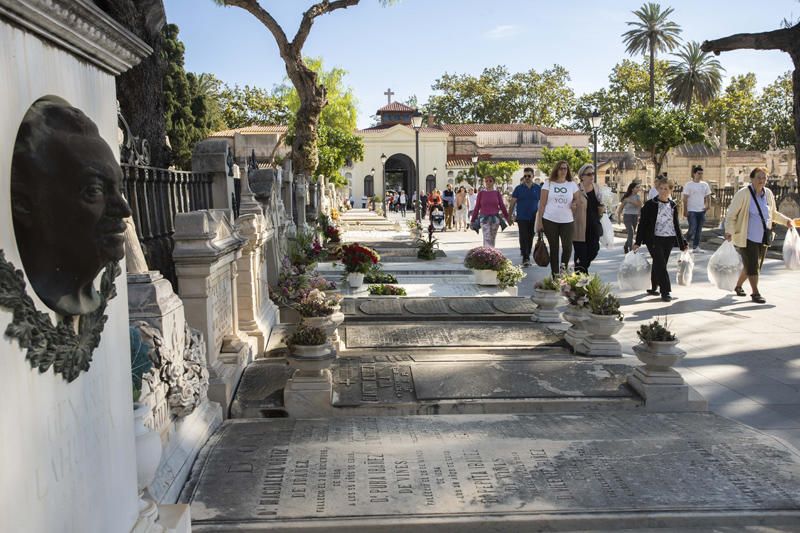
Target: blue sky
409, 45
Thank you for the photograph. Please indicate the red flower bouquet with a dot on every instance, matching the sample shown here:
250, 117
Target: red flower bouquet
358, 258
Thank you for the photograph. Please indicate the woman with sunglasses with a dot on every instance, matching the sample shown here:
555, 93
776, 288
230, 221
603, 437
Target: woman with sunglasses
556, 214
587, 228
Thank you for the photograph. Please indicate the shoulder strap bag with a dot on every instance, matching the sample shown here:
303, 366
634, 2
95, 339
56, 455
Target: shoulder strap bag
769, 235
540, 254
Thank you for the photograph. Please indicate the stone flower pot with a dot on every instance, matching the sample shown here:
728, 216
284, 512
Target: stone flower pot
311, 360
355, 279
148, 451
546, 302
602, 325
659, 355
576, 334
485, 277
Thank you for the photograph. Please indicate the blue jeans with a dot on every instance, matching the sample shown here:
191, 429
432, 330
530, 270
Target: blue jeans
696, 220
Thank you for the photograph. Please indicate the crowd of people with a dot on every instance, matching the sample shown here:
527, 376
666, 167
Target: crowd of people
568, 210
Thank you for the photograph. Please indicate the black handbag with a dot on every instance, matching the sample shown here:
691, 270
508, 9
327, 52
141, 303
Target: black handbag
769, 235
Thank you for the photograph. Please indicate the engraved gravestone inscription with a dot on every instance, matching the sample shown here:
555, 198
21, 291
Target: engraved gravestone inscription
441, 335
287, 470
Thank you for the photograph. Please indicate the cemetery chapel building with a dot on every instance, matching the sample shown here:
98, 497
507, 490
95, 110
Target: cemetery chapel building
445, 151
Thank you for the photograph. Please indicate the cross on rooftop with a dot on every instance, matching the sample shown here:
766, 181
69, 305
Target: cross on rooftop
389, 95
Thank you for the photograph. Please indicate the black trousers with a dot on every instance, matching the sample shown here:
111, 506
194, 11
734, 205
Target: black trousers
555, 232
659, 251
585, 253
525, 228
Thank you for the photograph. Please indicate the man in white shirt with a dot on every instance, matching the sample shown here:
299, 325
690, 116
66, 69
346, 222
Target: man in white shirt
696, 196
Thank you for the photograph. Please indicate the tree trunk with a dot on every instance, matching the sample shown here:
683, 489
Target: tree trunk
652, 73
787, 40
139, 90
305, 153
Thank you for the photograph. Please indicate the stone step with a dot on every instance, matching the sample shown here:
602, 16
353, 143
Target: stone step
556, 472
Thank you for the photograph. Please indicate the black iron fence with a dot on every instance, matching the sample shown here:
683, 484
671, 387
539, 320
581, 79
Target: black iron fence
156, 195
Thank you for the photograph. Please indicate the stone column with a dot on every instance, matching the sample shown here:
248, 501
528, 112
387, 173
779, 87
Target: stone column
265, 185
211, 156
287, 198
300, 198
206, 251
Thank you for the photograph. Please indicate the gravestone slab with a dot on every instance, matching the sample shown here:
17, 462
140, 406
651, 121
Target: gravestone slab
388, 306
447, 335
426, 306
520, 472
356, 382
520, 379
514, 306
477, 306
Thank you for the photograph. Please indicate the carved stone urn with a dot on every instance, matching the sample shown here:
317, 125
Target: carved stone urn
600, 340
546, 302
659, 355
576, 333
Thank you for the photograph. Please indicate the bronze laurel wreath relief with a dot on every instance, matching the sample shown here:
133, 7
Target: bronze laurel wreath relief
69, 353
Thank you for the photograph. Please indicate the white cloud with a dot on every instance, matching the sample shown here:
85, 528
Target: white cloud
504, 31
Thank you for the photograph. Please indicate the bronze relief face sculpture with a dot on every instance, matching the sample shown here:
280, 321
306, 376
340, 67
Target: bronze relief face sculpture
67, 206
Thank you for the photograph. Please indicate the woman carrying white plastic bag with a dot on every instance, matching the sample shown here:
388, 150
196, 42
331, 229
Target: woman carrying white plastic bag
748, 225
724, 267
791, 249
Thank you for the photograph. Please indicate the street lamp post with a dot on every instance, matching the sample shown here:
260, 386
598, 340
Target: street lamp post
595, 121
383, 168
370, 200
416, 123
475, 168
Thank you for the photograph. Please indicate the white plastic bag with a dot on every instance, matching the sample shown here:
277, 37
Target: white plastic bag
634, 272
685, 268
791, 250
725, 266
607, 239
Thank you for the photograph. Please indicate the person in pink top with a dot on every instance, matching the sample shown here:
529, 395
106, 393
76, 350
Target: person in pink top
488, 207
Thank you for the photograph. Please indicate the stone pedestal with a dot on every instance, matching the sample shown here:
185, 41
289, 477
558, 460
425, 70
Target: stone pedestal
546, 302
662, 388
206, 251
576, 334
599, 341
211, 156
308, 394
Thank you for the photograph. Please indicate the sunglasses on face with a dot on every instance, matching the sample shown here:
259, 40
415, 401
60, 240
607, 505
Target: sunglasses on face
527, 176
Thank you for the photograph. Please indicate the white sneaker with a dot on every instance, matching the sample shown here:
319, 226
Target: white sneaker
698, 250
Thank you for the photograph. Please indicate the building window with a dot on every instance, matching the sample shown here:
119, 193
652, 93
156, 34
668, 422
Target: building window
369, 189
430, 183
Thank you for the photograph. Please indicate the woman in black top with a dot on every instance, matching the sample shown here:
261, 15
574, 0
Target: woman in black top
660, 231
587, 227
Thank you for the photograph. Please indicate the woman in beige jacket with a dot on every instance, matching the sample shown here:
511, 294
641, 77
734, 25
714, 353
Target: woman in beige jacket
750, 231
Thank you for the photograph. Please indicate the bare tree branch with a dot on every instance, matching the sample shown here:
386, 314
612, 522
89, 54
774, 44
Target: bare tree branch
255, 9
784, 39
313, 12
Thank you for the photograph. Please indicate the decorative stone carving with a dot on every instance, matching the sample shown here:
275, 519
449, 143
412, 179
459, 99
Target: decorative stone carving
183, 372
62, 170
68, 352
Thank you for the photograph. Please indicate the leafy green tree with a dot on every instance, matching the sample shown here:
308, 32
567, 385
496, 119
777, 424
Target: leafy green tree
659, 130
497, 96
652, 33
205, 89
775, 113
501, 170
253, 106
737, 110
628, 90
695, 76
576, 157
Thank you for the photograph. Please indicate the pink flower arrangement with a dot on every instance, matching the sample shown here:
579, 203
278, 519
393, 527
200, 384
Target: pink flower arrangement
485, 258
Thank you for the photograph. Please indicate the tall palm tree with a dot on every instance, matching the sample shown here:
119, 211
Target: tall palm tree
651, 33
696, 75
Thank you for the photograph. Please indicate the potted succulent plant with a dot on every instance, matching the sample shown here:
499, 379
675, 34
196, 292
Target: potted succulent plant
485, 263
658, 348
377, 275
547, 296
357, 260
605, 318
309, 342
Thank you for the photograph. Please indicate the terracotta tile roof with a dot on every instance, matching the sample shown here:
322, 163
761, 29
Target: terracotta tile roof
472, 129
396, 107
379, 127
251, 130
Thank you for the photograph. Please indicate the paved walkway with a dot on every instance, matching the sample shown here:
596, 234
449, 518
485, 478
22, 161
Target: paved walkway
743, 357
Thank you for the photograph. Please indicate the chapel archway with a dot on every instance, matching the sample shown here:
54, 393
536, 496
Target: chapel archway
400, 174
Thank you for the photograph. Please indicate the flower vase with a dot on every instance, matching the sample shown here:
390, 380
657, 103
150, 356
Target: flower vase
661, 386
355, 279
546, 302
148, 452
576, 333
485, 277
600, 340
